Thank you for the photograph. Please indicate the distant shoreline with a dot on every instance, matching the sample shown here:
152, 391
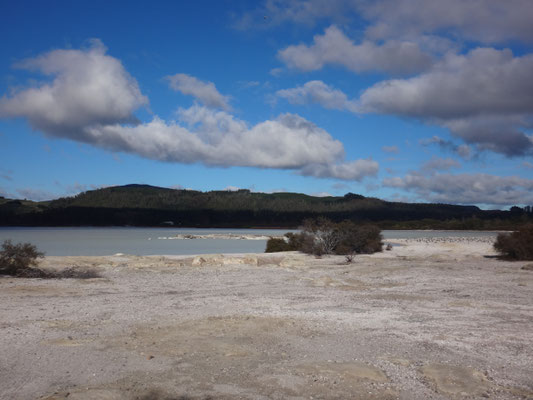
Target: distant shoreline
270, 228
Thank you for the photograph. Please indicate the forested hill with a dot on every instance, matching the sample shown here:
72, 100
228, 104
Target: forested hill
144, 205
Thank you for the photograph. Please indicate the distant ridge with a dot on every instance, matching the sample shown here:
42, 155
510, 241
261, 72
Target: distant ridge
146, 205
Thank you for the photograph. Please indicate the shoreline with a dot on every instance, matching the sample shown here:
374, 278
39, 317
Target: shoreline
220, 236
463, 245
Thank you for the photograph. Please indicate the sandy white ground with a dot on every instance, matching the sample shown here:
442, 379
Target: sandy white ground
431, 319
225, 236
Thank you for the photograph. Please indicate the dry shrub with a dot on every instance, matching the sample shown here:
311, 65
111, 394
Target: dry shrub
76, 273
19, 259
275, 245
156, 394
358, 239
517, 245
322, 236
291, 242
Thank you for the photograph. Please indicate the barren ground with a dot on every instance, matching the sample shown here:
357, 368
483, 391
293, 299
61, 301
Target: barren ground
433, 319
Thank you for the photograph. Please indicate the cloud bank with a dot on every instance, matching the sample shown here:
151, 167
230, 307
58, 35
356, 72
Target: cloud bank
92, 98
484, 21
485, 97
466, 188
216, 138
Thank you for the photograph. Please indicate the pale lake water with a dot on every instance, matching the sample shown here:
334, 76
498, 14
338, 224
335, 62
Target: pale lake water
88, 241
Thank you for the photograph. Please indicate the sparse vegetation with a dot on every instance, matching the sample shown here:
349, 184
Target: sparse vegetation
275, 245
517, 245
322, 236
291, 242
75, 273
20, 260
349, 258
159, 395
358, 239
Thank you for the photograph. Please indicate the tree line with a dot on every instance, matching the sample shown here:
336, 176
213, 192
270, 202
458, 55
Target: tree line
143, 205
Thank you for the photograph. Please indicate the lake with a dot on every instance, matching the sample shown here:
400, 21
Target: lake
88, 241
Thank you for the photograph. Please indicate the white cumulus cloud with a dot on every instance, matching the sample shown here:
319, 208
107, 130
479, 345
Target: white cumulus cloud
484, 21
216, 138
320, 93
205, 92
484, 81
334, 47
88, 88
484, 97
91, 99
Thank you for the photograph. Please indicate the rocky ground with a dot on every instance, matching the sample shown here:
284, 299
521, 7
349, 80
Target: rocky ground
430, 319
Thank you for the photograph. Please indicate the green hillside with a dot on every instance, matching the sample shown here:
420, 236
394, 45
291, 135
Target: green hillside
144, 205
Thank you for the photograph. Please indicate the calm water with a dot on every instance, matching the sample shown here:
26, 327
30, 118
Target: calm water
144, 241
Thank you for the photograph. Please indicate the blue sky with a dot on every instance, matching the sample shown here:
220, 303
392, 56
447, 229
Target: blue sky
410, 100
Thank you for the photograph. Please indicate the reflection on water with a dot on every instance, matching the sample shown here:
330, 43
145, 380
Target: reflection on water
144, 241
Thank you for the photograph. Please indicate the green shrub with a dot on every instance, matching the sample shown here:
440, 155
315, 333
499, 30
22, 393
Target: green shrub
275, 245
517, 245
358, 239
322, 236
18, 259
293, 242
